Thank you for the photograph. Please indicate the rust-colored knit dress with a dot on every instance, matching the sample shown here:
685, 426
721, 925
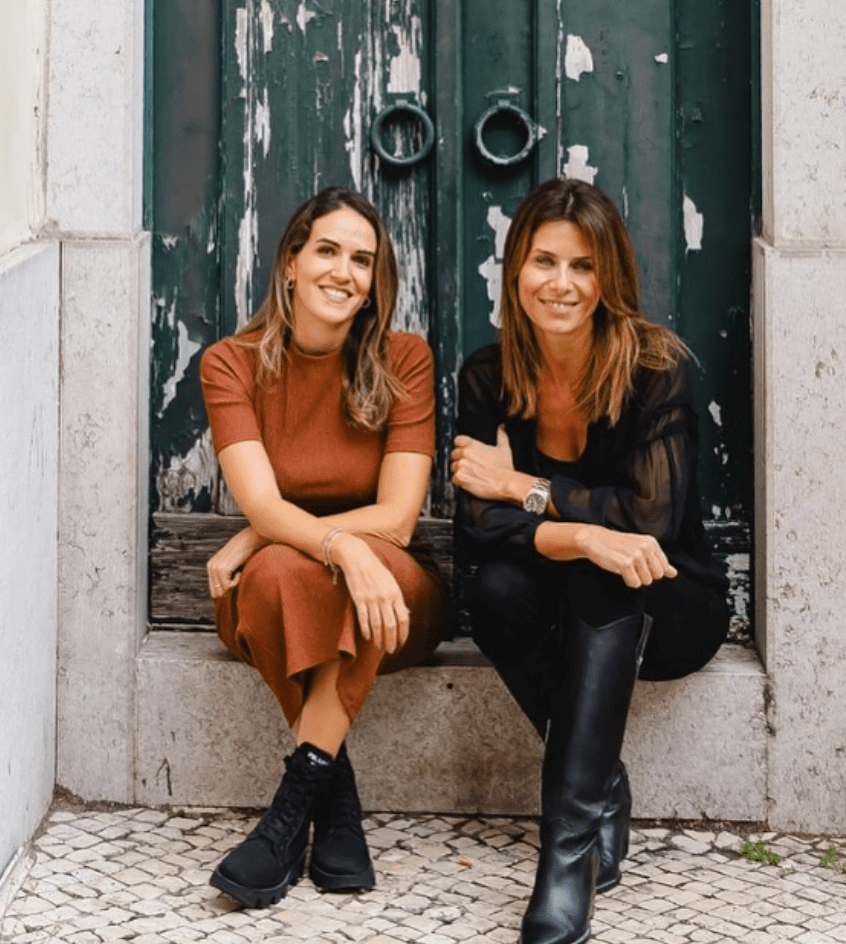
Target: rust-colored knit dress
286, 615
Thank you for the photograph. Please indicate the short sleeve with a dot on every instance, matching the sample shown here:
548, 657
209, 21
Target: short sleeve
411, 422
226, 374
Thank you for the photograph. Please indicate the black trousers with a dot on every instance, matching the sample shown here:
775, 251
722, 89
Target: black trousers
521, 612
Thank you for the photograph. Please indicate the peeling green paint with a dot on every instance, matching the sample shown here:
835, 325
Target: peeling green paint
257, 103
185, 175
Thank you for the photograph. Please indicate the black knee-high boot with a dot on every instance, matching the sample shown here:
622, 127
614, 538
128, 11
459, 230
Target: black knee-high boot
586, 731
525, 677
613, 836
528, 684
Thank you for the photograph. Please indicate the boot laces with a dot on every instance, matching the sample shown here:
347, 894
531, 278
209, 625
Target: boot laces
339, 804
289, 808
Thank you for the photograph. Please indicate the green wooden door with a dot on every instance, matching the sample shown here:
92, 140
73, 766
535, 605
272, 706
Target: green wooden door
255, 104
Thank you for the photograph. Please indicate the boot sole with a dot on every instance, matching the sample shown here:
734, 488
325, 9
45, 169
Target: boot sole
256, 897
581, 940
360, 881
609, 883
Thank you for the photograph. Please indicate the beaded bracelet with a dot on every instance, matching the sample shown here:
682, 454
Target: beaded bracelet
326, 548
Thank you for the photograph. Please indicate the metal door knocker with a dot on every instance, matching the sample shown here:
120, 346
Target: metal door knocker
507, 109
399, 108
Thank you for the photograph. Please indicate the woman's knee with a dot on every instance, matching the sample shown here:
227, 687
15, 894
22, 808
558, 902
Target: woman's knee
275, 558
507, 604
665, 660
684, 637
503, 590
597, 596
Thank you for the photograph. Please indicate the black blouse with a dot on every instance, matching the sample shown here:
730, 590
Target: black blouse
638, 476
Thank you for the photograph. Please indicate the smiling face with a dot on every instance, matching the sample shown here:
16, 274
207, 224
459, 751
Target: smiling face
558, 287
332, 276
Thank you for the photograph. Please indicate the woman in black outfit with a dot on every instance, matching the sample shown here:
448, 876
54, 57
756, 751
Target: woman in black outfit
578, 500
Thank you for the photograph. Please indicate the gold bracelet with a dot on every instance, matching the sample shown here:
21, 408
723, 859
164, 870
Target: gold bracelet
326, 549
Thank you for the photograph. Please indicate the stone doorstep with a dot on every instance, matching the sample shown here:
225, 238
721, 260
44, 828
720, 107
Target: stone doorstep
443, 737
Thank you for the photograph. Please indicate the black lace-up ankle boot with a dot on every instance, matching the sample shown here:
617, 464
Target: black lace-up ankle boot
259, 871
340, 860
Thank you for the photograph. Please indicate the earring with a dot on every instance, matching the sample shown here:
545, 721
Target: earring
365, 303
289, 283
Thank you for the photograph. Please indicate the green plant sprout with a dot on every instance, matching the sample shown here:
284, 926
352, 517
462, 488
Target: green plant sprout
831, 860
757, 852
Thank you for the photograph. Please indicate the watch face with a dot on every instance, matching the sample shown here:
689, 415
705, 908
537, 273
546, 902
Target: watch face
535, 502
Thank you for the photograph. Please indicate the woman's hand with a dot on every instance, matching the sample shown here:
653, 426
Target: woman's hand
637, 558
224, 568
488, 471
382, 614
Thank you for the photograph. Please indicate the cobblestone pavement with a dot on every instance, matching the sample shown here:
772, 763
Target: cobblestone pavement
140, 875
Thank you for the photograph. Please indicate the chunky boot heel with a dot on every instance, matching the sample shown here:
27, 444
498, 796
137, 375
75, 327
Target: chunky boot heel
340, 860
259, 871
256, 897
613, 838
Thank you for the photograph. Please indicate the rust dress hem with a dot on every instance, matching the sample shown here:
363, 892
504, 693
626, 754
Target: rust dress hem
292, 589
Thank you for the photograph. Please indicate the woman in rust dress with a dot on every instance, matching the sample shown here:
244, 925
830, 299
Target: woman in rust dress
323, 424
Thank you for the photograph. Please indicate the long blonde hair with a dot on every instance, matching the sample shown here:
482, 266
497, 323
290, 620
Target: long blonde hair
369, 384
623, 339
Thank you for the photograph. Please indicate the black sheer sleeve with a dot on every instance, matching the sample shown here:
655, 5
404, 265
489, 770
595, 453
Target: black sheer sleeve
639, 475
655, 470
490, 525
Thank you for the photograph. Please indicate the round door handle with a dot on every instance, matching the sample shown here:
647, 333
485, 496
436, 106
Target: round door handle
508, 109
400, 107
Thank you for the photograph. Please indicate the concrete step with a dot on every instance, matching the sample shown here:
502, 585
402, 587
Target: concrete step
443, 737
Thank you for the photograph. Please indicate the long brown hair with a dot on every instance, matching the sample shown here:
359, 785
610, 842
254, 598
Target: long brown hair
369, 383
623, 339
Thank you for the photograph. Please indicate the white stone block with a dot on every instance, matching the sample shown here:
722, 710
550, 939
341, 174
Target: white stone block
696, 748
209, 731
446, 738
800, 332
804, 122
29, 418
103, 510
441, 738
96, 116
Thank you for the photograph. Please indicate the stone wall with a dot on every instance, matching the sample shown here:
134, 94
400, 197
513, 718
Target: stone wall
94, 201
800, 398
29, 376
23, 40
29, 394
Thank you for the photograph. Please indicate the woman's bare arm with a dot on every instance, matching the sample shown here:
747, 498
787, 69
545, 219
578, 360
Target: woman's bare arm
403, 484
637, 558
402, 487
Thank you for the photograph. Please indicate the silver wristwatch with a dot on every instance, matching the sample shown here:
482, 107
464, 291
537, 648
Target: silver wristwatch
537, 498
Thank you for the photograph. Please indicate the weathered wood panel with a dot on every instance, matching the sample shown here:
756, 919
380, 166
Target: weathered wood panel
715, 214
183, 206
180, 545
